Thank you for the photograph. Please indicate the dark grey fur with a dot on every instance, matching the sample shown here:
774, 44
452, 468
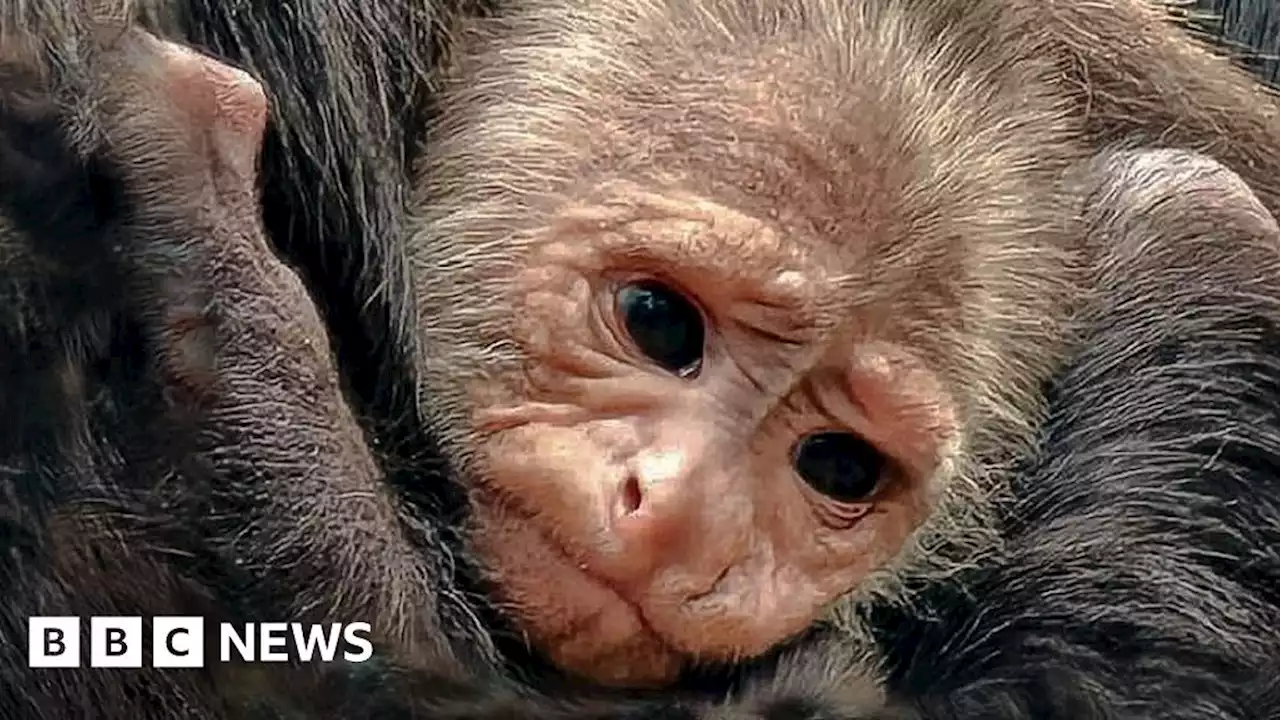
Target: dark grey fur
102, 234
1142, 577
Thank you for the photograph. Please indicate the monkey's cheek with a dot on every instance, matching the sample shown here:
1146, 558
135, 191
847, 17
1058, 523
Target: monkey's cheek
584, 627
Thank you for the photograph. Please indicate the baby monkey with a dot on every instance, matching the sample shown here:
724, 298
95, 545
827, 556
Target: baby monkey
736, 309
732, 309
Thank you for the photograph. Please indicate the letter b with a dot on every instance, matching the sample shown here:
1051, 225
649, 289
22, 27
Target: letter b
53, 642
115, 642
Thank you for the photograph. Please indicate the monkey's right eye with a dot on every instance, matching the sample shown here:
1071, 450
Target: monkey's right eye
840, 465
664, 325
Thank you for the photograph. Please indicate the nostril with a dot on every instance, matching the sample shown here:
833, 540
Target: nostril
631, 496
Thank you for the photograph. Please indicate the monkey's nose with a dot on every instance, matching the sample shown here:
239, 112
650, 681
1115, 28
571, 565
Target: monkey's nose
654, 519
631, 495
654, 494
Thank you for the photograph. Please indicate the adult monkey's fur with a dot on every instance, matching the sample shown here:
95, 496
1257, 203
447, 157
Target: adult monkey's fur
340, 220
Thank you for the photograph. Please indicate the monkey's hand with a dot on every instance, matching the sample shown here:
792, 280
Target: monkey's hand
286, 493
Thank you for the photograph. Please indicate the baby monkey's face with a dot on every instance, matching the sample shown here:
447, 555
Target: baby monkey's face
692, 440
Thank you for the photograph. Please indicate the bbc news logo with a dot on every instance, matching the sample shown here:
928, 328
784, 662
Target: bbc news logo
178, 642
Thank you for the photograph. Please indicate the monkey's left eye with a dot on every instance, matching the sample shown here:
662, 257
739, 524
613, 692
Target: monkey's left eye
840, 465
664, 325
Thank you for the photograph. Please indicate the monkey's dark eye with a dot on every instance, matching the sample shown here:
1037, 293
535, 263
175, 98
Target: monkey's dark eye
663, 324
840, 465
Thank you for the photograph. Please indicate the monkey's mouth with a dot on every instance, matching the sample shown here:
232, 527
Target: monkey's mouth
584, 570
639, 654
570, 614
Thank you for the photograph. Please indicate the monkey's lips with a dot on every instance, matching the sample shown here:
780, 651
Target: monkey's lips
582, 624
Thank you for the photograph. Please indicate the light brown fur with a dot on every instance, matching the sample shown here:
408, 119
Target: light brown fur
803, 126
911, 189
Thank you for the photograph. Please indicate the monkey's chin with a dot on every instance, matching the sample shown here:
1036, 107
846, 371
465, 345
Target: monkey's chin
582, 625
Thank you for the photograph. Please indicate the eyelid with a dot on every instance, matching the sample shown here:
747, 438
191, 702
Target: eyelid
604, 320
615, 280
833, 395
842, 516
